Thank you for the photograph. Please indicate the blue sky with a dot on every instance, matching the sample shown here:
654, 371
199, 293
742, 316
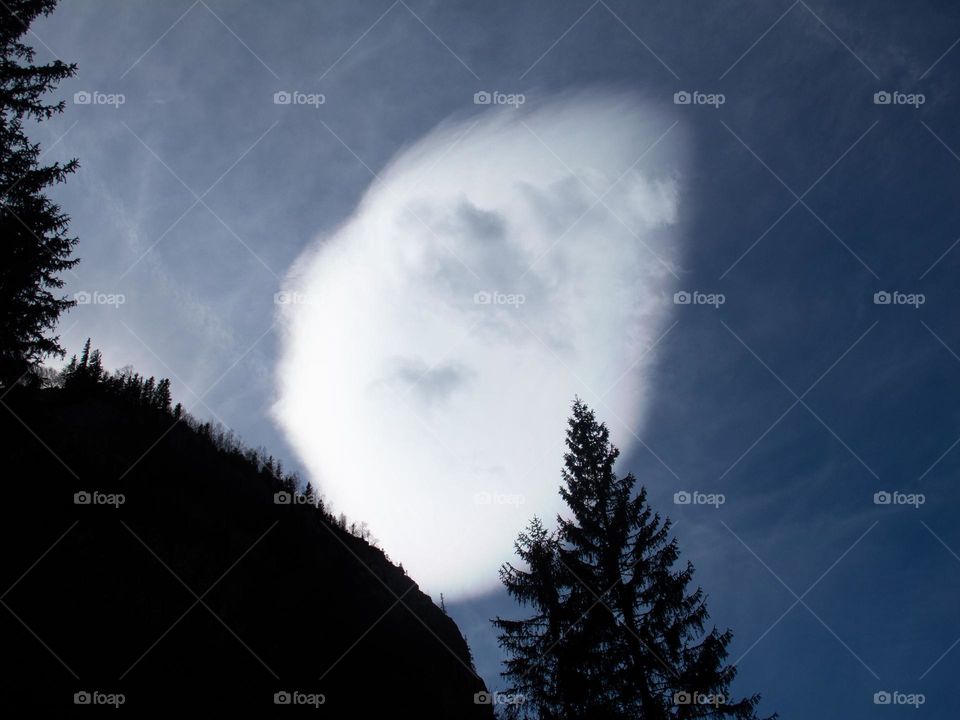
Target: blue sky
798, 398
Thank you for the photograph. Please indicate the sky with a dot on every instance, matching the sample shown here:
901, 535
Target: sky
800, 391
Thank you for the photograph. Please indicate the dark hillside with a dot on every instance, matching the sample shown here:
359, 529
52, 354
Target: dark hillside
288, 600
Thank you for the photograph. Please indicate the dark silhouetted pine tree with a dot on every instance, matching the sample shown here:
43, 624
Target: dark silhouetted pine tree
309, 495
161, 396
617, 631
95, 367
534, 653
34, 248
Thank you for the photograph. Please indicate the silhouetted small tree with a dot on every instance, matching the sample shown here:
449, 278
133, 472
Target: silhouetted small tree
161, 396
309, 495
95, 367
146, 393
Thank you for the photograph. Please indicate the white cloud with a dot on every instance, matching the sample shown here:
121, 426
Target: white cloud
411, 399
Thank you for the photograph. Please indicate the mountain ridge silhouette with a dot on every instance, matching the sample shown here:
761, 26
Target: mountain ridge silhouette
185, 583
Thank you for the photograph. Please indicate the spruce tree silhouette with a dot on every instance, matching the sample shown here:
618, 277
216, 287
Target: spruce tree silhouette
35, 247
616, 631
533, 645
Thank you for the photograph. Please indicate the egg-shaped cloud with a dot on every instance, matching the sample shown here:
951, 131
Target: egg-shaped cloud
433, 344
